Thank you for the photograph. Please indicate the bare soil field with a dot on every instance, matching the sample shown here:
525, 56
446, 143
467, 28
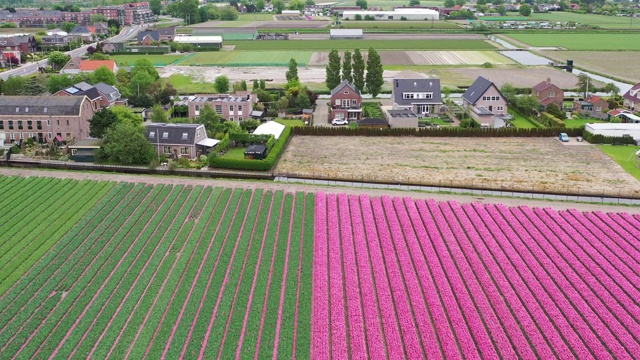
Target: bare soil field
519, 164
397, 36
293, 24
523, 77
412, 58
620, 64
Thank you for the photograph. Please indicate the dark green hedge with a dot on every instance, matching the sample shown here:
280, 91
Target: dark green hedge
601, 139
440, 132
255, 165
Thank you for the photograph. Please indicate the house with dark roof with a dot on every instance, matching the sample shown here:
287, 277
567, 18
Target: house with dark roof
179, 140
101, 95
86, 33
485, 103
420, 95
548, 93
148, 36
346, 102
45, 118
167, 33
56, 40
101, 28
631, 99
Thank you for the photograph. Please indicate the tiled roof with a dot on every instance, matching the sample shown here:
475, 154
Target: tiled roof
475, 91
343, 84
400, 86
172, 134
92, 65
41, 105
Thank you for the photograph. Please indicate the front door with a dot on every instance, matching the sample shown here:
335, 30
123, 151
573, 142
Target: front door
490, 108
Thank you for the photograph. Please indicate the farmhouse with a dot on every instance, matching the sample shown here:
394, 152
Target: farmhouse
421, 96
45, 117
485, 103
346, 102
631, 99
345, 34
397, 14
236, 107
548, 93
179, 140
200, 42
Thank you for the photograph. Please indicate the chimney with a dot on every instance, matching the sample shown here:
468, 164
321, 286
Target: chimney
396, 83
548, 79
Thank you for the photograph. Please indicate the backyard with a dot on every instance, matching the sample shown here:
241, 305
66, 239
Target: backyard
521, 164
579, 122
520, 121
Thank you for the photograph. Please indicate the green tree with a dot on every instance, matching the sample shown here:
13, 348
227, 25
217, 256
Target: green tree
144, 65
362, 3
155, 6
310, 2
415, 2
333, 69
127, 144
101, 122
158, 115
585, 84
139, 83
509, 92
96, 18
501, 9
188, 10
302, 100
611, 89
68, 26
104, 75
283, 103
374, 73
56, 83
255, 85
469, 123
209, 118
126, 115
292, 73
243, 85
346, 67
14, 85
58, 59
449, 3
260, 5
122, 77
228, 13
278, 6
296, 5
263, 84
525, 10
460, 2
358, 70
222, 84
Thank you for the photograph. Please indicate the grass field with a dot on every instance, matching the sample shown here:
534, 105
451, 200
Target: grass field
398, 25
520, 121
248, 58
291, 122
364, 44
166, 272
603, 21
185, 85
156, 60
235, 153
581, 41
576, 123
625, 156
255, 17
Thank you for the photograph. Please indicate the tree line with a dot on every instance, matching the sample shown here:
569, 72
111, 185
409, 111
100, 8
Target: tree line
353, 70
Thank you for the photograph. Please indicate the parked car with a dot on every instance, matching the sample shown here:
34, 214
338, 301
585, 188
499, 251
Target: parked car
563, 137
339, 121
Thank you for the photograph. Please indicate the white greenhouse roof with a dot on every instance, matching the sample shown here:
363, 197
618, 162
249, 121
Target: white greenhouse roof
198, 39
345, 32
270, 128
208, 142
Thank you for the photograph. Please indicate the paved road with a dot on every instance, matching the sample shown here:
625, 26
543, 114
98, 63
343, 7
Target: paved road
28, 69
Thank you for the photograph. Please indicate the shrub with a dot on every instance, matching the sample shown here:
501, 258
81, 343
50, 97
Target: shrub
15, 149
369, 18
358, 17
487, 65
601, 139
254, 165
372, 110
551, 120
403, 18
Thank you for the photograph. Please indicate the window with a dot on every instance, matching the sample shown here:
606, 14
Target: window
39, 125
152, 134
185, 136
346, 93
58, 122
407, 96
26, 109
230, 108
46, 110
428, 95
67, 122
239, 108
484, 98
29, 124
499, 108
49, 136
198, 133
551, 94
346, 103
20, 125
17, 109
219, 109
166, 149
30, 135
10, 124
197, 107
338, 101
165, 135
12, 136
184, 151
1, 125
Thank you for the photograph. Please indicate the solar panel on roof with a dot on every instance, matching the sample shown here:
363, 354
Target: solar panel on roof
72, 90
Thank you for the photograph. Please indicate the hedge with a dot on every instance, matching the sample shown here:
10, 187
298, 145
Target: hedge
438, 132
551, 120
255, 165
601, 139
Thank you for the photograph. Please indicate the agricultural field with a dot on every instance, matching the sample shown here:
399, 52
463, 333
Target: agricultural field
441, 44
248, 58
603, 21
625, 156
619, 64
416, 58
401, 278
518, 76
518, 164
398, 25
156, 60
168, 271
580, 41
190, 271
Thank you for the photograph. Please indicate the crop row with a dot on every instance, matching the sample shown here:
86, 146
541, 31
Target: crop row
400, 278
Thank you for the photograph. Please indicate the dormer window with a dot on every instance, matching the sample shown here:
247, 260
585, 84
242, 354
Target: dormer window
152, 134
46, 110
26, 109
185, 136
165, 135
17, 109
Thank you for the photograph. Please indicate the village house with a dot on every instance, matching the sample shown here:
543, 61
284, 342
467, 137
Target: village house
592, 104
420, 95
485, 103
346, 102
548, 93
76, 65
236, 107
45, 118
631, 99
179, 140
86, 33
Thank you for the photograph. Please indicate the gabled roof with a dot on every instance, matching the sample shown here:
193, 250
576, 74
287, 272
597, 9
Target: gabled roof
83, 86
93, 65
342, 85
155, 35
542, 86
593, 99
167, 31
175, 133
420, 85
109, 91
41, 105
82, 30
475, 91
636, 93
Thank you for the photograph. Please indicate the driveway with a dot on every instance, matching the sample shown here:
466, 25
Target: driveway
321, 114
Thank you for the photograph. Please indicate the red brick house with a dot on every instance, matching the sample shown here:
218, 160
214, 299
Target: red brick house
233, 107
548, 93
346, 102
591, 104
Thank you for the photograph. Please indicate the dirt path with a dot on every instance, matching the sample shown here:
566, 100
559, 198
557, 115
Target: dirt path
174, 180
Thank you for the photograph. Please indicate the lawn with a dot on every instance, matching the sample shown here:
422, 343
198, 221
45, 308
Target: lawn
576, 123
291, 122
624, 156
255, 17
235, 153
156, 60
398, 25
581, 41
465, 44
603, 21
248, 58
520, 121
185, 85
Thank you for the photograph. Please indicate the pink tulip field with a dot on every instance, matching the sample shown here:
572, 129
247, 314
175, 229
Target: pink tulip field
107, 270
401, 278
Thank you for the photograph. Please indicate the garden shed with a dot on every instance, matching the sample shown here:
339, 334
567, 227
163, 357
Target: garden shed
83, 150
256, 152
